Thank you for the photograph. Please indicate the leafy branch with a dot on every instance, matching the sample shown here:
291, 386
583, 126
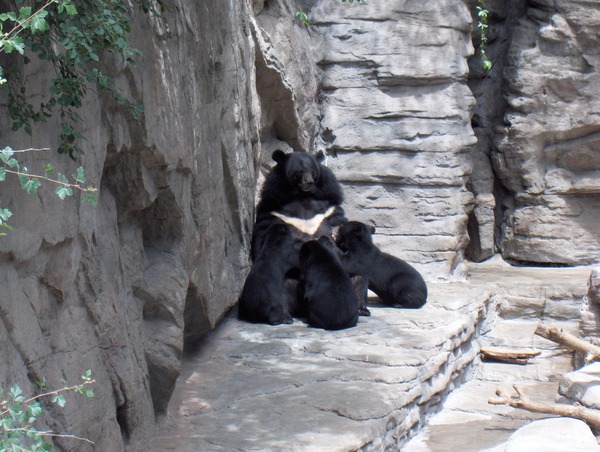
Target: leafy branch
18, 414
32, 182
22, 22
72, 39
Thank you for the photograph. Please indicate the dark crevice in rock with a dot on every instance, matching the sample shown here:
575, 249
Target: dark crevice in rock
488, 117
162, 222
195, 317
473, 249
122, 421
162, 378
276, 96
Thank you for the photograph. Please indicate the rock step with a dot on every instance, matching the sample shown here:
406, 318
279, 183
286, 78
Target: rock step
372, 387
254, 387
467, 422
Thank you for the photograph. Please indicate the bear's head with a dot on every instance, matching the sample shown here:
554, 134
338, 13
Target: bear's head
354, 234
311, 251
280, 241
302, 171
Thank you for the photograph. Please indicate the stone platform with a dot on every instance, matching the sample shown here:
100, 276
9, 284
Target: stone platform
371, 387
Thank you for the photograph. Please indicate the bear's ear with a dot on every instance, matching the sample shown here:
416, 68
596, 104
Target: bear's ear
278, 155
320, 156
372, 229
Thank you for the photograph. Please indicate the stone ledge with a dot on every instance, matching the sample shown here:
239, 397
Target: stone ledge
372, 387
290, 386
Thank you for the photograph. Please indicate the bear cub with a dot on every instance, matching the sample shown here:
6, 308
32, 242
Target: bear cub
395, 281
325, 289
264, 298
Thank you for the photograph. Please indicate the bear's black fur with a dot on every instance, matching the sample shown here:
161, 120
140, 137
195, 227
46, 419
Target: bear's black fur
264, 297
326, 290
396, 282
359, 282
298, 187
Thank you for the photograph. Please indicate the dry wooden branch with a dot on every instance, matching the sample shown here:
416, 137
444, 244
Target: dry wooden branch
509, 355
591, 417
591, 352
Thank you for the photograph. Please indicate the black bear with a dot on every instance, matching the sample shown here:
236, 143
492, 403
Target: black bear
302, 192
396, 282
325, 287
264, 298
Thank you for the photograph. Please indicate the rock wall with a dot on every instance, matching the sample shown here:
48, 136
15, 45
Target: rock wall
395, 114
544, 144
122, 287
590, 313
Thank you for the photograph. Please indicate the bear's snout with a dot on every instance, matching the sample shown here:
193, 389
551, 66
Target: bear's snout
307, 183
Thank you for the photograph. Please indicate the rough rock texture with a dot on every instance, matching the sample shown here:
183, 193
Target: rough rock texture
583, 386
589, 326
396, 114
120, 288
487, 87
372, 387
524, 297
292, 387
551, 435
547, 150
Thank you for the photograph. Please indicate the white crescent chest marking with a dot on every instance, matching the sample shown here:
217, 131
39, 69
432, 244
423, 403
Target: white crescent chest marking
309, 226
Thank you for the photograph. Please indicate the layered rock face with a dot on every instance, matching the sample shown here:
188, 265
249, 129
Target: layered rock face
590, 312
547, 150
396, 114
121, 287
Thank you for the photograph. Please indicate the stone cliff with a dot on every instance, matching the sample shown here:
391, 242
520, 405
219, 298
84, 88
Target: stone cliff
385, 88
537, 161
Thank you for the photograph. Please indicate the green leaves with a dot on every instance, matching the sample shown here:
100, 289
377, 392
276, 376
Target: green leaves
31, 183
18, 415
72, 39
303, 17
5, 214
38, 22
12, 44
482, 25
58, 399
62, 191
6, 156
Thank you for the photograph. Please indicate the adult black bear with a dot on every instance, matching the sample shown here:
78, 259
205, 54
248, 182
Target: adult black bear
396, 282
303, 193
264, 298
325, 288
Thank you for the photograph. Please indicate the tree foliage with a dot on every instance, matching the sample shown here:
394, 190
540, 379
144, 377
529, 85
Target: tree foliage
32, 181
18, 416
73, 37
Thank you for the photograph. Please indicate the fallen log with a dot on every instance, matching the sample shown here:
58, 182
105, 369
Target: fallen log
508, 355
589, 416
590, 352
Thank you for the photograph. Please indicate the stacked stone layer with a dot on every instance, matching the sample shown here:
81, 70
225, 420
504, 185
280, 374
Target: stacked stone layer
396, 118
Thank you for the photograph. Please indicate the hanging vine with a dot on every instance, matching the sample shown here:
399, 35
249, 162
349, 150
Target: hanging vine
482, 24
